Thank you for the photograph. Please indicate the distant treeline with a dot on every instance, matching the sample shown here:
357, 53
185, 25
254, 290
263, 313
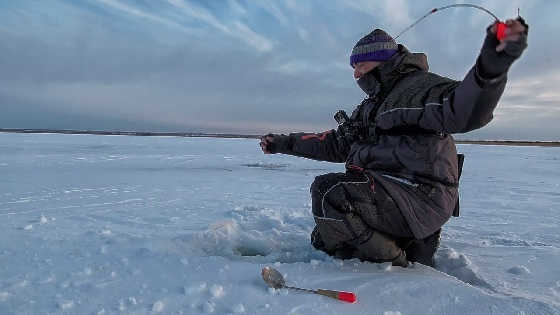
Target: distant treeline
228, 135
129, 133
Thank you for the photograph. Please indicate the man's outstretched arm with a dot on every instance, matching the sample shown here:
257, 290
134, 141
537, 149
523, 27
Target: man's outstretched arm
328, 146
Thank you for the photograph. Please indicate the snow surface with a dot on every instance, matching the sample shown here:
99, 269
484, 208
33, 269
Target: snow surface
142, 225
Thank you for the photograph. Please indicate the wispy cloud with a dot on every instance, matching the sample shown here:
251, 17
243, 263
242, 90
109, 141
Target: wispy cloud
294, 67
236, 7
398, 11
200, 14
528, 109
259, 42
390, 12
237, 30
142, 14
272, 8
299, 7
303, 33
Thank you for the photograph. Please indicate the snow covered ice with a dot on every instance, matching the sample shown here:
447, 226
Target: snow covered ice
163, 225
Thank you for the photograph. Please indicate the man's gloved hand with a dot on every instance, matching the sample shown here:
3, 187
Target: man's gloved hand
267, 143
496, 56
272, 143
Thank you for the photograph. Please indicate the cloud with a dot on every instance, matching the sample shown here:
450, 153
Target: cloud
303, 34
294, 67
271, 8
392, 13
298, 7
237, 30
142, 14
531, 98
241, 66
398, 11
259, 42
527, 110
200, 14
236, 7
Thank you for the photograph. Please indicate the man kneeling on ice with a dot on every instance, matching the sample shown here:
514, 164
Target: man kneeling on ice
402, 173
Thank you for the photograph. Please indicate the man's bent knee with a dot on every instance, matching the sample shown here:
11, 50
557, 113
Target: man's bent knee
322, 183
319, 188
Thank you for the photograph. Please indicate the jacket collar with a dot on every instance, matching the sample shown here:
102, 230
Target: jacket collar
402, 63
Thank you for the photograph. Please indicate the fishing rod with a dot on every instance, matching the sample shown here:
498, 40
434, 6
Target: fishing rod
500, 26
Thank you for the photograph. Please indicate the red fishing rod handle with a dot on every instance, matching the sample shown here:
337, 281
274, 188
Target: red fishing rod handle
501, 30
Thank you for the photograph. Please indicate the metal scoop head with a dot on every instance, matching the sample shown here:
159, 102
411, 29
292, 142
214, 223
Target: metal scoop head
273, 278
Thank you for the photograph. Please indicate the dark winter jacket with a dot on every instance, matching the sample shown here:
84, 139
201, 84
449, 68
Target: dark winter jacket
405, 139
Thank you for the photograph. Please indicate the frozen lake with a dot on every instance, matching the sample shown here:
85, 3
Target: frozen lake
143, 225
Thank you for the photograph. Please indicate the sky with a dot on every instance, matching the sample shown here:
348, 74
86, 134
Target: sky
250, 67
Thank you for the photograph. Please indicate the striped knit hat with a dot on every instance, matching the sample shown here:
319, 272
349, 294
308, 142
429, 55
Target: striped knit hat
375, 46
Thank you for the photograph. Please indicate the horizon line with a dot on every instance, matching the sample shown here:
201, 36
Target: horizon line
246, 136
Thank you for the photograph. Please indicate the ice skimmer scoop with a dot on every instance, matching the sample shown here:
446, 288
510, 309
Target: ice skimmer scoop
275, 280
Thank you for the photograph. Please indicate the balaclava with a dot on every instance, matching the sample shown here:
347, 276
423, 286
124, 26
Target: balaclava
375, 46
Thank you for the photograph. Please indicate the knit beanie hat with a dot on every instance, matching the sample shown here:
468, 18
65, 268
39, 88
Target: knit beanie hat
375, 46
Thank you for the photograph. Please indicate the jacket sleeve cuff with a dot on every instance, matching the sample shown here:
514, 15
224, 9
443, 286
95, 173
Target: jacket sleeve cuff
487, 82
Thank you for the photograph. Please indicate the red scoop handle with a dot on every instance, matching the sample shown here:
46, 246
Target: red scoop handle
347, 297
339, 295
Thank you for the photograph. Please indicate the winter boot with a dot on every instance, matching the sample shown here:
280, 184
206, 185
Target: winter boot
380, 247
423, 250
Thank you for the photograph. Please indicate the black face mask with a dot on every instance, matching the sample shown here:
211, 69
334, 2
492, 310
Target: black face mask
369, 83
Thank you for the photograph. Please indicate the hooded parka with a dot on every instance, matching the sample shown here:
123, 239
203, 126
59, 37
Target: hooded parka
404, 140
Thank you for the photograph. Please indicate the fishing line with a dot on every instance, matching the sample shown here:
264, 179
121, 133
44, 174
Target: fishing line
501, 26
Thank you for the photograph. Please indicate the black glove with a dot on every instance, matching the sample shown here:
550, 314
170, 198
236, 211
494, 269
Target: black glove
492, 63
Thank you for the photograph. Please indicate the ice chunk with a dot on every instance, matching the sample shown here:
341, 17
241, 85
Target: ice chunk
66, 305
458, 265
195, 288
122, 307
239, 308
217, 291
209, 307
158, 307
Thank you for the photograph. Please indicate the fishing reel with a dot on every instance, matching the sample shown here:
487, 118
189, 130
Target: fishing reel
350, 129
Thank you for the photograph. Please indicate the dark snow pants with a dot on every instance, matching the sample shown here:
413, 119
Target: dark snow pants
356, 219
